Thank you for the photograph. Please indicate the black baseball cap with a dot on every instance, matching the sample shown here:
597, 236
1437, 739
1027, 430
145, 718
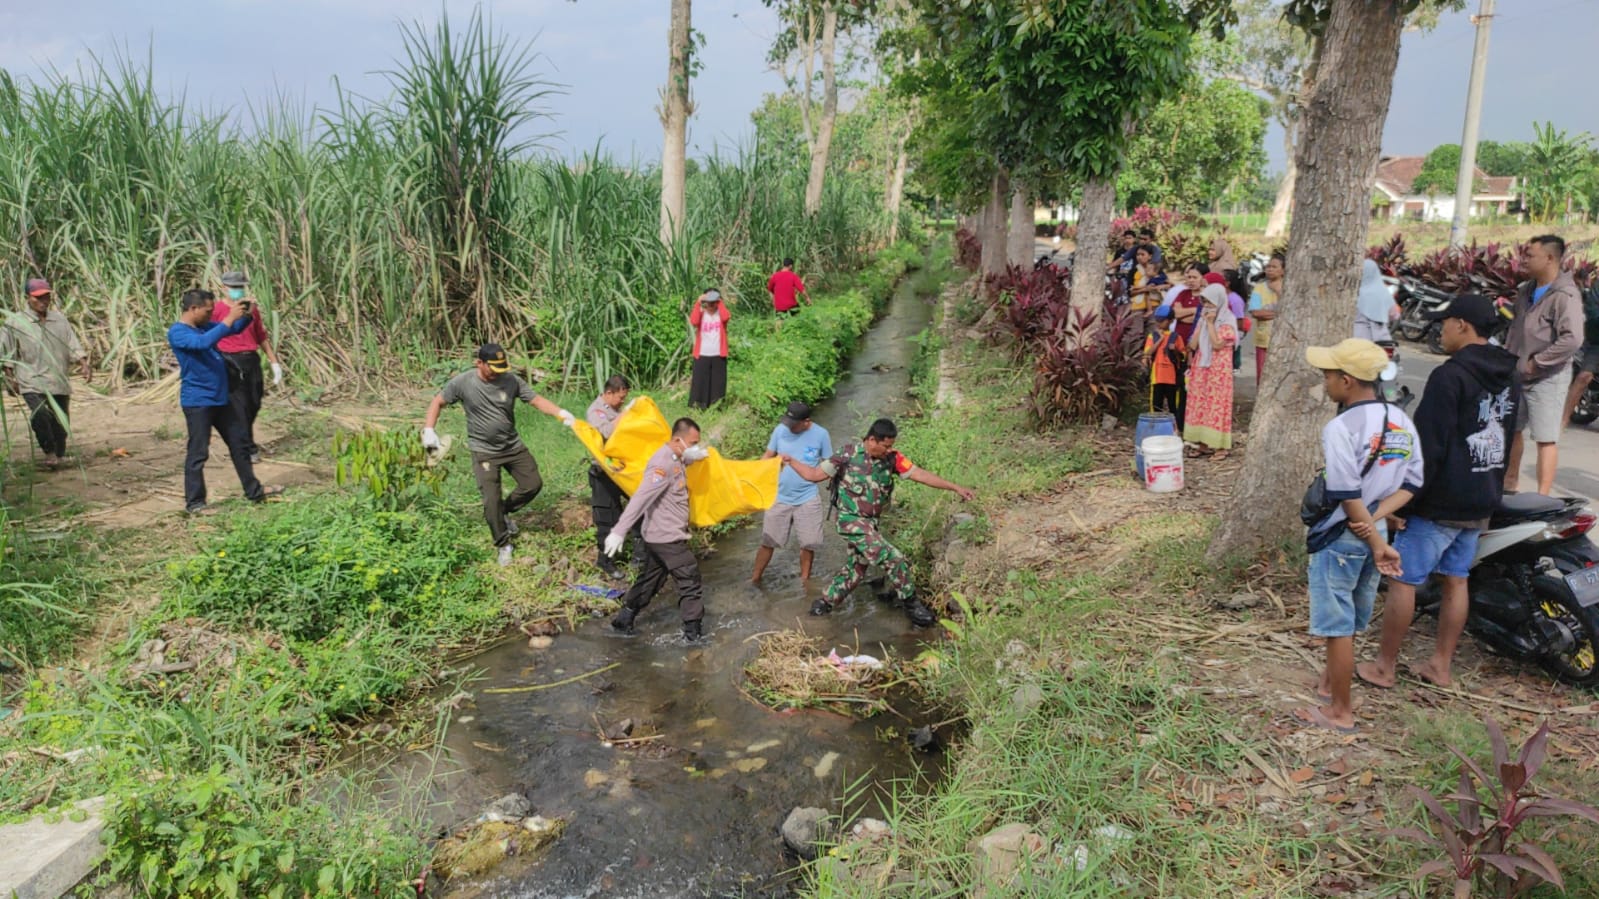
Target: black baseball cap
1472, 308
494, 355
797, 412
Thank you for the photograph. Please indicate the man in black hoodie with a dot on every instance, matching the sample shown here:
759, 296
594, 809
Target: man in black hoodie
1466, 420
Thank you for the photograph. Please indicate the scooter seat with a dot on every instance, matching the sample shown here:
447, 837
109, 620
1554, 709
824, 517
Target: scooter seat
1524, 506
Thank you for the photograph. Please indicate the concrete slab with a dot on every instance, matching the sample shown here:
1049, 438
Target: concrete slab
40, 860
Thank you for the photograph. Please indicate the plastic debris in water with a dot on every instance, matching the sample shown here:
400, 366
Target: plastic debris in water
847, 661
603, 592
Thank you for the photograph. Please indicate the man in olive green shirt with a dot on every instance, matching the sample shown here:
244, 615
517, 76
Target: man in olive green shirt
37, 347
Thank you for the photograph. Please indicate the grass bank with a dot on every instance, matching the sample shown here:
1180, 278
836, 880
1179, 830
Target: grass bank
276, 636
1130, 709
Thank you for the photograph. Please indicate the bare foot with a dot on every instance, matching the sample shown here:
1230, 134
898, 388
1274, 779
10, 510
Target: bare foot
1371, 673
1432, 674
1323, 718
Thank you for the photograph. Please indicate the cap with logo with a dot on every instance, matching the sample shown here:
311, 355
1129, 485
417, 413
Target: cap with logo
797, 412
1472, 308
235, 279
493, 355
1360, 359
37, 287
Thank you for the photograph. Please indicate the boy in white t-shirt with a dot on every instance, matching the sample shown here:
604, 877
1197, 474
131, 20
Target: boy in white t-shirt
1374, 466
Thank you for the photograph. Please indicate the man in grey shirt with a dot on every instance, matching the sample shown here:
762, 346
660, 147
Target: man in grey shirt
1545, 335
661, 502
606, 499
489, 395
37, 347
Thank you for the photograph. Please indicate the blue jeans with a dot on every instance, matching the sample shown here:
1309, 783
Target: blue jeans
1343, 584
1427, 548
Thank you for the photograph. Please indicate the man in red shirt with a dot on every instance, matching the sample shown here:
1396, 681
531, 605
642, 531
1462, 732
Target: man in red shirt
783, 285
242, 352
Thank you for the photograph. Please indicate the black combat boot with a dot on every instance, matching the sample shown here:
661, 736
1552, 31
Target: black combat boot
693, 631
921, 615
821, 607
624, 619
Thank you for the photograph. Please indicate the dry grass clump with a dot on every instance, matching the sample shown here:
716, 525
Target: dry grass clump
793, 671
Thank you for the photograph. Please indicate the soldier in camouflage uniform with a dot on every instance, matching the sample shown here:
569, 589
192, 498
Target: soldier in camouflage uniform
867, 472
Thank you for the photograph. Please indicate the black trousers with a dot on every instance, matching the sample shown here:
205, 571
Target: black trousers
1171, 398
524, 470
709, 384
50, 430
246, 387
202, 420
606, 501
660, 560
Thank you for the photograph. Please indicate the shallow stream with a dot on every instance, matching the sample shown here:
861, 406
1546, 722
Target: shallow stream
696, 811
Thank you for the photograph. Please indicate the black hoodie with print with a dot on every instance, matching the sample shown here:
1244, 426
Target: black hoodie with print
1466, 419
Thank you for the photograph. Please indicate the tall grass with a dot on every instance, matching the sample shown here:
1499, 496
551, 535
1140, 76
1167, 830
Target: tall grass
402, 228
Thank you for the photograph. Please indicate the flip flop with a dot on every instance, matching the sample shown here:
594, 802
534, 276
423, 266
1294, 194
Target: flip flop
1317, 718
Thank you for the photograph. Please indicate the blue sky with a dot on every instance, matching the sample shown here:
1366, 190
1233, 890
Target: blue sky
610, 55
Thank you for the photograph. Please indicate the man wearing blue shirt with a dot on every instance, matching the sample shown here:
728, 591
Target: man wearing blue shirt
799, 508
204, 396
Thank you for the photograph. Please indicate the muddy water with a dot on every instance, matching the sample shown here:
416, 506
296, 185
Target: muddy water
695, 812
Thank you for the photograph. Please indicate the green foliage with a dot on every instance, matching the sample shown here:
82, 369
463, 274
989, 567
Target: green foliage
395, 229
1561, 171
210, 834
1504, 158
306, 570
1191, 148
392, 466
1045, 103
46, 587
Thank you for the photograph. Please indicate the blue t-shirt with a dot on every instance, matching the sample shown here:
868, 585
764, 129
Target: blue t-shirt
810, 446
203, 372
1537, 294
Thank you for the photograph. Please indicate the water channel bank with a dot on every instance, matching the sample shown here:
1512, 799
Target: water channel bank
695, 811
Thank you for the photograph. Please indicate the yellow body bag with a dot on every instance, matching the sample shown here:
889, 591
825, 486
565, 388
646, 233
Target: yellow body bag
718, 488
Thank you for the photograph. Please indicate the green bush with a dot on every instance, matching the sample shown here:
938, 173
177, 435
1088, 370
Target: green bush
307, 569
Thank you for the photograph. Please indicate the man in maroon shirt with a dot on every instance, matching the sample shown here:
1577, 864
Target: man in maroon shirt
242, 352
783, 285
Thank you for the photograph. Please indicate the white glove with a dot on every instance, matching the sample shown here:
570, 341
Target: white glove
277, 374
566, 418
694, 454
430, 438
613, 543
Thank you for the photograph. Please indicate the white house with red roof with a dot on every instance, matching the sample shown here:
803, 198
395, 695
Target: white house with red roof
1395, 174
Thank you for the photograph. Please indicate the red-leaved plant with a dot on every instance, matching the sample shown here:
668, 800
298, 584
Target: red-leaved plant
1482, 840
1092, 366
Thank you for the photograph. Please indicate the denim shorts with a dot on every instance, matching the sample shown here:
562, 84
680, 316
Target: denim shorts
1427, 548
1343, 585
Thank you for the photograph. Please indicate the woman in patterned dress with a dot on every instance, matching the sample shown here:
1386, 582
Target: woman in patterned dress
1208, 424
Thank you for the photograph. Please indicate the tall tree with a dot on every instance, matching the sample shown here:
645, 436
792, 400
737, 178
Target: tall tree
1343, 121
1190, 148
675, 110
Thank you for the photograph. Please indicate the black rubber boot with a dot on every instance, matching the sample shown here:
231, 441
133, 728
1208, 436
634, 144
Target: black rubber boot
821, 607
693, 631
609, 568
624, 619
921, 615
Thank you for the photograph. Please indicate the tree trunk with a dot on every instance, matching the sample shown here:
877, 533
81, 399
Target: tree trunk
896, 187
1337, 159
1093, 239
995, 217
1020, 244
674, 122
1277, 222
824, 128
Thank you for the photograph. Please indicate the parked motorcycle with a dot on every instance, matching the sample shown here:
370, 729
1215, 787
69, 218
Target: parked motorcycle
1415, 299
1389, 384
1535, 586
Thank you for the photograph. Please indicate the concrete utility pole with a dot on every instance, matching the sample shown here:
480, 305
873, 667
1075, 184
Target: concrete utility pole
1468, 138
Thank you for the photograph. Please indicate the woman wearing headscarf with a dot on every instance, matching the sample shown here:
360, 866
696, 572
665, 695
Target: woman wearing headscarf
1374, 307
1208, 424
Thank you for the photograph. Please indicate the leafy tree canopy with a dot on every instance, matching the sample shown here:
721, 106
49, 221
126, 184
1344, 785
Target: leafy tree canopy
1189, 150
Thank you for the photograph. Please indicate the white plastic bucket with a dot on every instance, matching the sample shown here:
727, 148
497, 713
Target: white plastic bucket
1163, 464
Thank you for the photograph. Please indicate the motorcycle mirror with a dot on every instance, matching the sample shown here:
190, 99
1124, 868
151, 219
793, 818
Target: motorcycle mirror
1390, 372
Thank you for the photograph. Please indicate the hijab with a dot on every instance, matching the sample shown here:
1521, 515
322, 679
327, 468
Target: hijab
1214, 295
1375, 300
